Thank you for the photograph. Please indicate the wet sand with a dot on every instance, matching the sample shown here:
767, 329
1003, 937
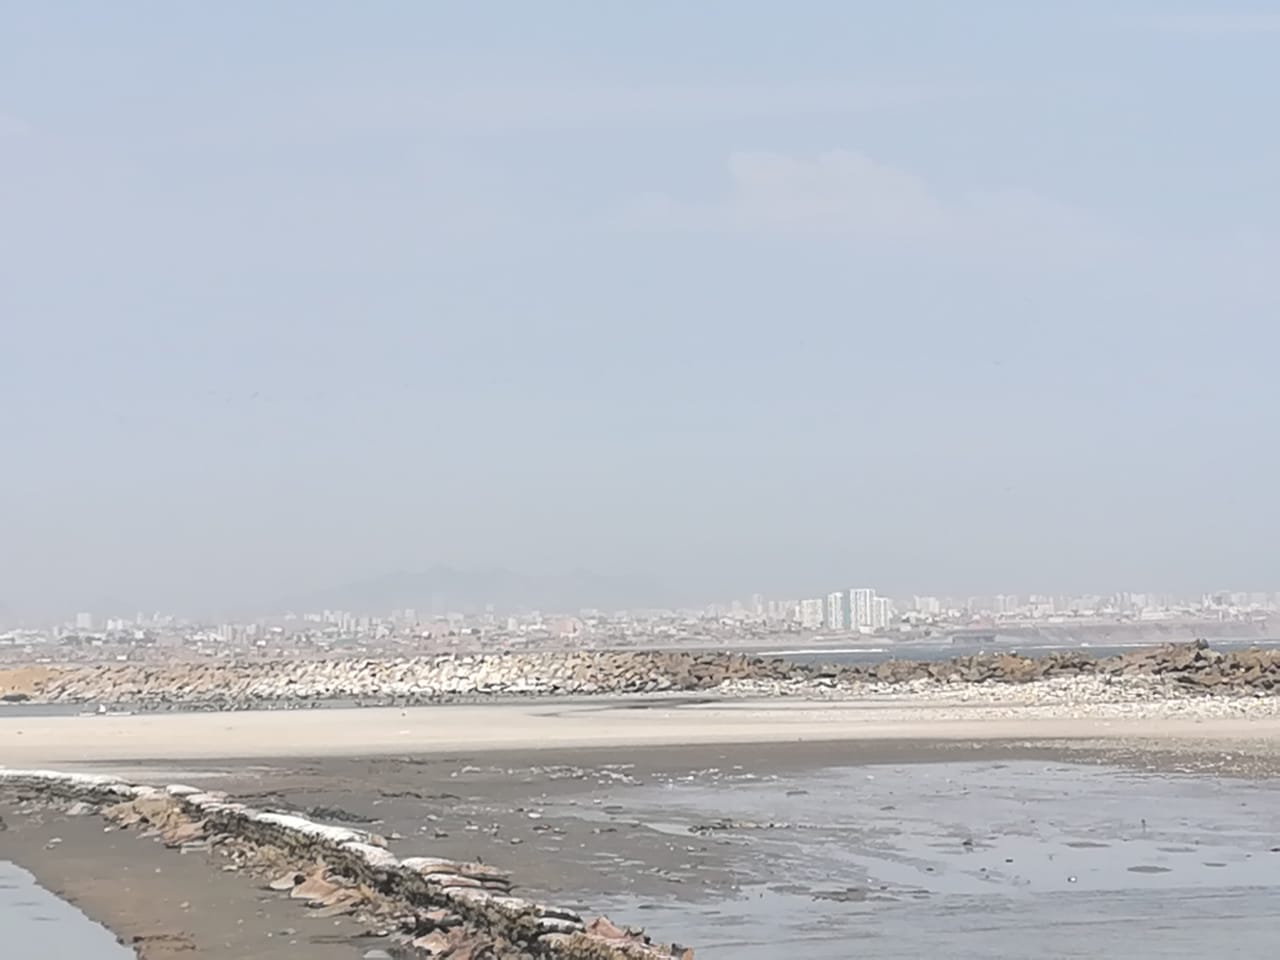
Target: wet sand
34, 924
972, 859
165, 904
828, 831
743, 850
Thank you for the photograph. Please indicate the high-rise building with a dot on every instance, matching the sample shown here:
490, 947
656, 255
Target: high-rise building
928, 605
84, 621
783, 611
881, 613
1006, 603
836, 619
861, 604
811, 613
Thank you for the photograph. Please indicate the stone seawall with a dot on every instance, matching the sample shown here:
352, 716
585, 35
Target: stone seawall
1192, 667
437, 908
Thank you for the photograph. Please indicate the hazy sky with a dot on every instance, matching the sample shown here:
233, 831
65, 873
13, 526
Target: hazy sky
943, 297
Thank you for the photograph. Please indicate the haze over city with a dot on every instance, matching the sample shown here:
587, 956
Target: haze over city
704, 299
681, 480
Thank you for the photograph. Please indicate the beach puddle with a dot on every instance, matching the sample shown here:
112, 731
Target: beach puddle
36, 925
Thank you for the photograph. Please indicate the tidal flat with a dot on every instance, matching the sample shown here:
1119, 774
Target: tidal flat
889, 848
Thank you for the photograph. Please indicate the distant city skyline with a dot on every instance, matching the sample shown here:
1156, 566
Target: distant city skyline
853, 608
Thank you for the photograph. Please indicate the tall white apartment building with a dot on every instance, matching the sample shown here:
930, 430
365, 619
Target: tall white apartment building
836, 618
811, 613
928, 605
881, 613
862, 601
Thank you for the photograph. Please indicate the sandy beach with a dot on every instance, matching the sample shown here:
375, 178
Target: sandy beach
36, 740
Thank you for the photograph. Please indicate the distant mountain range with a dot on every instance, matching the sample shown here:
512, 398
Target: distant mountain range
443, 590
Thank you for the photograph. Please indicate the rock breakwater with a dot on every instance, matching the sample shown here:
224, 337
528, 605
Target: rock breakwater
1192, 668
433, 907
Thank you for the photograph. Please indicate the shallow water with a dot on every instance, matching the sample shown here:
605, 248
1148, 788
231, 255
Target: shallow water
974, 860
36, 925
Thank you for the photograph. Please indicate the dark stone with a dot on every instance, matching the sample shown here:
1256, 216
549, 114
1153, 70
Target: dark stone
337, 815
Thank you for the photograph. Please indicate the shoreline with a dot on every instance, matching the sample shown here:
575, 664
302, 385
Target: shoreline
159, 904
532, 783
37, 922
424, 906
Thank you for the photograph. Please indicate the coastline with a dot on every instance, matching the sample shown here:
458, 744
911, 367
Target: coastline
423, 906
36, 923
163, 905
542, 785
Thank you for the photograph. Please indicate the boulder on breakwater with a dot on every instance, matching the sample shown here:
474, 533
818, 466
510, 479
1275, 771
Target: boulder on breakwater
232, 685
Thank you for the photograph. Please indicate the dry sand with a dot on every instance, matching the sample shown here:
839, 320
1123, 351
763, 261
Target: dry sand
41, 740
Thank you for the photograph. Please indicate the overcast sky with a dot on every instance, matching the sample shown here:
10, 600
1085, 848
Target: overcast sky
940, 297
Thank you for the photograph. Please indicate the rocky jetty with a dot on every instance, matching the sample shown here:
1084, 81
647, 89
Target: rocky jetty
1192, 668
433, 907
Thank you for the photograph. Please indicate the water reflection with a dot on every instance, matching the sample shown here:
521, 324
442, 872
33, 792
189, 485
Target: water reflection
36, 925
